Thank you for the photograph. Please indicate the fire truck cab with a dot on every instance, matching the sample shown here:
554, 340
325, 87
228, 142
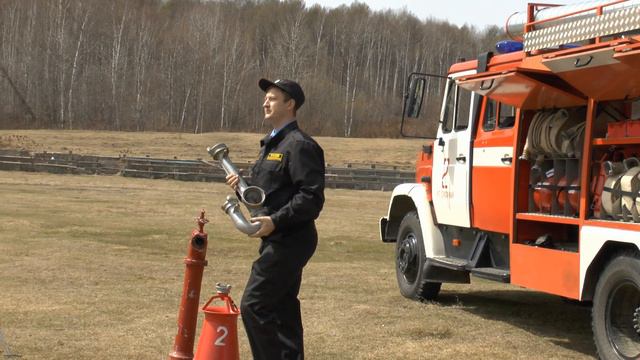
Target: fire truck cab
533, 178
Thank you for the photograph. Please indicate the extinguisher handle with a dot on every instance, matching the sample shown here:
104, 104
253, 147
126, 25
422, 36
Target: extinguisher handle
231, 306
210, 300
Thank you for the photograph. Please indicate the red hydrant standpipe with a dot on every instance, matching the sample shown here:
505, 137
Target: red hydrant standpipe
188, 314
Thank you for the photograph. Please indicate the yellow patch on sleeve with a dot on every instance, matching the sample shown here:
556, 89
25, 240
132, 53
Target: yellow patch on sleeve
274, 156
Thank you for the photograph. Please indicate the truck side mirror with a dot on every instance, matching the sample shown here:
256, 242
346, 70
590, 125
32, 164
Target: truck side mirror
422, 89
413, 98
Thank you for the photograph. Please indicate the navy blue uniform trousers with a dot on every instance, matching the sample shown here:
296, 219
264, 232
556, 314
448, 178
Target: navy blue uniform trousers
270, 307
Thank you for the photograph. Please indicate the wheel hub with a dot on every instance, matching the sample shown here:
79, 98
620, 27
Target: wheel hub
406, 253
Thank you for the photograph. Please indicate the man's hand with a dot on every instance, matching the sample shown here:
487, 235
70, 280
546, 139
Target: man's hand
266, 226
232, 181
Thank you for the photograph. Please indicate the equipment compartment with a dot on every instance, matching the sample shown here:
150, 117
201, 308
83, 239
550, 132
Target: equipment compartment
548, 235
614, 190
550, 162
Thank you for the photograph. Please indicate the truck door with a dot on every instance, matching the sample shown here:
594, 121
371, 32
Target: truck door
452, 158
492, 174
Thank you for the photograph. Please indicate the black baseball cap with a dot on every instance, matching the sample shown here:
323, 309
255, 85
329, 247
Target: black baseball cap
290, 87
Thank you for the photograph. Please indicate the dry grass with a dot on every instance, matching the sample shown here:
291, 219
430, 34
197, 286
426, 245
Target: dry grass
91, 267
243, 146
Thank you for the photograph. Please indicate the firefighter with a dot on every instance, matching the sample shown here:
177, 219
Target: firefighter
290, 169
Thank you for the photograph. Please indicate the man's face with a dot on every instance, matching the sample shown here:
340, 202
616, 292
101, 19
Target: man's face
276, 109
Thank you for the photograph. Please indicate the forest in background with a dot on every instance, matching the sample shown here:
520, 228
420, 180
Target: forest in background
193, 66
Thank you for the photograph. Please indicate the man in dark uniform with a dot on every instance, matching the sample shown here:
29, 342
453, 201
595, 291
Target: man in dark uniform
290, 169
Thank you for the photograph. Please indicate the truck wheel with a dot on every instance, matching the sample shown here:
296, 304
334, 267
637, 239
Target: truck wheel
410, 259
616, 309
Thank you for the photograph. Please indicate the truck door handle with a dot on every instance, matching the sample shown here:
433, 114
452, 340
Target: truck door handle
486, 84
461, 159
578, 63
507, 160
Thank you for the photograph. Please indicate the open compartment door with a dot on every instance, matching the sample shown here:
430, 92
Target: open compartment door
526, 91
600, 73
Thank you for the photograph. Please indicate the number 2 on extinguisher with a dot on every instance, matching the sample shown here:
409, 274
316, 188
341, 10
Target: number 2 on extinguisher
224, 332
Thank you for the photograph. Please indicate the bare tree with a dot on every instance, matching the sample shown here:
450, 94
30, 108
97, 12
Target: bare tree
142, 57
193, 65
74, 68
118, 17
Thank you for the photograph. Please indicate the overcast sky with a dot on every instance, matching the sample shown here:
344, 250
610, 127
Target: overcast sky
458, 12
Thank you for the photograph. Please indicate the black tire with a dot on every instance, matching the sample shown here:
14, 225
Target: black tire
616, 309
410, 259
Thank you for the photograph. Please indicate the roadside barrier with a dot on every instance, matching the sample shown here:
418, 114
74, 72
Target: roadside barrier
371, 177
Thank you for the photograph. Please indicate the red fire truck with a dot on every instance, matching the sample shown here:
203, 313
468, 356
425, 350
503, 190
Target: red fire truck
533, 177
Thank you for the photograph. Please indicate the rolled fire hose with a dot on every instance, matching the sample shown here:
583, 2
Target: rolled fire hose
554, 133
564, 125
630, 184
573, 140
232, 208
611, 194
531, 145
610, 198
554, 127
637, 204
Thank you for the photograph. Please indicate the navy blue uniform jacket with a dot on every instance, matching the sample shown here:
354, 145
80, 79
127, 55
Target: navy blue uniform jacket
290, 169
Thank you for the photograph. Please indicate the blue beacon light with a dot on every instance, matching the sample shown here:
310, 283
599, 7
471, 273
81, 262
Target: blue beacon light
508, 46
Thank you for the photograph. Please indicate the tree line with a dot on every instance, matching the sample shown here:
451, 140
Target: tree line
193, 66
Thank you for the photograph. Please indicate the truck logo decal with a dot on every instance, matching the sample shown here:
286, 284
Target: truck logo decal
445, 165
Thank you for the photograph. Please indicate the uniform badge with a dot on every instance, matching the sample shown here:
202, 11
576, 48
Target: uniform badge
274, 156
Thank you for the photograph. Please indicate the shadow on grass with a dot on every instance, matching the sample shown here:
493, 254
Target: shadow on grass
563, 322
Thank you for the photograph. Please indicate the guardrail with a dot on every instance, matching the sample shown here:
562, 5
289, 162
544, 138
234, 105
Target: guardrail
371, 178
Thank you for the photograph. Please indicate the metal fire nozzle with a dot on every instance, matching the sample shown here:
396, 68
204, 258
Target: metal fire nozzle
252, 196
232, 208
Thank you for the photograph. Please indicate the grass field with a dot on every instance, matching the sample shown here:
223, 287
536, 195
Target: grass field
91, 268
243, 146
